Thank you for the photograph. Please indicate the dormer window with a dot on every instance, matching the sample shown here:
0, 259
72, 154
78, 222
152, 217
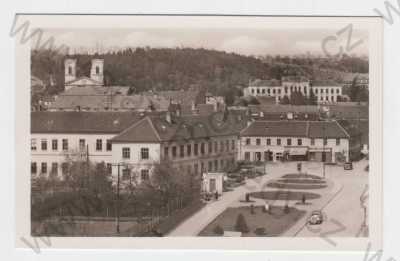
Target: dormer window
97, 70
69, 70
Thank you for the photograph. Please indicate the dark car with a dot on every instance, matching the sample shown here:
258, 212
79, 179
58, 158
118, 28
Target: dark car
315, 218
348, 166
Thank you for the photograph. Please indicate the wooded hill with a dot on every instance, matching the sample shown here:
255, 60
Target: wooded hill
219, 72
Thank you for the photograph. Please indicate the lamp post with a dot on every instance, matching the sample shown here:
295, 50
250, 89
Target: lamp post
118, 182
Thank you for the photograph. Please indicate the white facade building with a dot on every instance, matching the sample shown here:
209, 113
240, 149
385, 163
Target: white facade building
131, 143
325, 91
190, 143
294, 140
57, 137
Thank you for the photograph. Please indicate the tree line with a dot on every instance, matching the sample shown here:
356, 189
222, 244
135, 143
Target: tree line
144, 69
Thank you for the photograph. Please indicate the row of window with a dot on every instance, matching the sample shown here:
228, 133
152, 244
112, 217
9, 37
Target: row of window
278, 91
268, 141
211, 165
44, 168
144, 153
127, 175
65, 145
197, 149
326, 98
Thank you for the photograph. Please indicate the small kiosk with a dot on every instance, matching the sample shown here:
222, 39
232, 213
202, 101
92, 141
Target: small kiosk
213, 182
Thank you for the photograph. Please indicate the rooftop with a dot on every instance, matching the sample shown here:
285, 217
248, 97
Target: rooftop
262, 83
156, 128
311, 129
324, 83
82, 122
108, 97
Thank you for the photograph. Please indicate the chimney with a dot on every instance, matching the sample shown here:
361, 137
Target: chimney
168, 117
249, 122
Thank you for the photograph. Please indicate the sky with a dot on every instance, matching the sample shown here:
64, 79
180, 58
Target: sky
242, 41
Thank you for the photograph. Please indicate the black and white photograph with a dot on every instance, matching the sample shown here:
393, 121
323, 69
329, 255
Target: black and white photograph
260, 129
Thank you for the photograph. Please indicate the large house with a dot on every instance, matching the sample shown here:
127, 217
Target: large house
195, 143
325, 91
59, 136
294, 140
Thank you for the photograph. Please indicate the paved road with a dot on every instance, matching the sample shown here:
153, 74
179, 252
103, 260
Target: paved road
344, 214
340, 204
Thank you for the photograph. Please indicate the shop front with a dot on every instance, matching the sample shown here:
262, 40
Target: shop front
298, 153
320, 155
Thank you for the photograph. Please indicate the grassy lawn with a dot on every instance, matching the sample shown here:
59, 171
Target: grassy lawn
284, 195
275, 223
298, 181
295, 186
301, 175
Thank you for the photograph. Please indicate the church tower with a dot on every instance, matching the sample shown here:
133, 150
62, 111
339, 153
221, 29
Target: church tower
96, 72
69, 70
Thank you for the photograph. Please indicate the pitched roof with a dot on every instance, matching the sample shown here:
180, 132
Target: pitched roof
324, 83
311, 129
294, 78
276, 128
101, 98
262, 83
155, 128
84, 80
82, 122
142, 131
180, 96
328, 129
281, 108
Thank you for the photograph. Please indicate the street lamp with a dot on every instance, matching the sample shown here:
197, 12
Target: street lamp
118, 182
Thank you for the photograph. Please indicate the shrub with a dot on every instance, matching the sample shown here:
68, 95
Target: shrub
218, 230
241, 224
260, 231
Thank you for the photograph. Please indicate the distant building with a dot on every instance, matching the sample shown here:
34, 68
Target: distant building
360, 79
325, 91
217, 101
96, 74
107, 98
182, 97
294, 140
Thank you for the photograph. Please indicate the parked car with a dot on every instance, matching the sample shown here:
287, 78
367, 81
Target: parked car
315, 218
348, 165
